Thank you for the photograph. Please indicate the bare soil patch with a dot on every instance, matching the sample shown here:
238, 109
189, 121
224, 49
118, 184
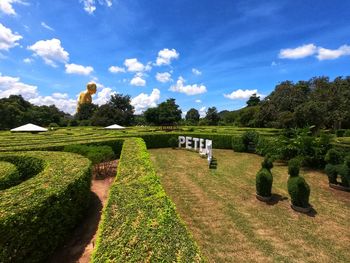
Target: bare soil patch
81, 244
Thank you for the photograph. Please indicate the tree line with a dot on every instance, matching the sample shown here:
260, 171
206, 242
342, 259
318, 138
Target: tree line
317, 102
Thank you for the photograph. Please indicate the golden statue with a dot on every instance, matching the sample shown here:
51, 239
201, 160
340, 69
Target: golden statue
85, 96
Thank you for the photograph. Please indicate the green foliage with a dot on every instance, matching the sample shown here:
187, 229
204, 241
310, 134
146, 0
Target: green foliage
299, 191
344, 172
254, 100
86, 111
96, 154
340, 132
38, 214
294, 167
333, 156
264, 181
238, 145
139, 221
250, 140
173, 142
192, 116
347, 133
267, 163
332, 173
212, 116
9, 175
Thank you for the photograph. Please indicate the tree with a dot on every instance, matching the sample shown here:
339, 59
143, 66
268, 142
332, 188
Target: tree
212, 116
86, 111
122, 105
169, 112
254, 100
192, 116
152, 116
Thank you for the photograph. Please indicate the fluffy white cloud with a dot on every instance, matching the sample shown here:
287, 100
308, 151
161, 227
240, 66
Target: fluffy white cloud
7, 8
7, 38
202, 112
90, 5
137, 80
44, 25
78, 69
60, 100
116, 69
198, 101
324, 53
196, 72
27, 60
187, 89
165, 56
13, 86
242, 94
133, 65
103, 96
299, 52
50, 51
163, 77
143, 101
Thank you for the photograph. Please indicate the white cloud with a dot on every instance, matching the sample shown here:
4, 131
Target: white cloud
103, 96
27, 60
143, 101
78, 69
137, 80
196, 72
50, 51
7, 38
116, 69
7, 8
163, 77
133, 65
202, 112
324, 53
61, 101
44, 25
188, 89
299, 52
90, 5
165, 56
242, 94
13, 86
198, 101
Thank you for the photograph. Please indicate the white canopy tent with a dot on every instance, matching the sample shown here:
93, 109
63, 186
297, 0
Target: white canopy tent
29, 128
115, 127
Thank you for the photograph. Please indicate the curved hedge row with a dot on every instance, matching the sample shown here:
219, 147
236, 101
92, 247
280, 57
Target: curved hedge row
139, 222
9, 175
37, 214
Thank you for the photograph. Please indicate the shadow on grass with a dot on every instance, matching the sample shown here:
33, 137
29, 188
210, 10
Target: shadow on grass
275, 199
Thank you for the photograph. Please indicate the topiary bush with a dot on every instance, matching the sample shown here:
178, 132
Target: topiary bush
264, 181
237, 144
333, 156
250, 140
344, 172
299, 191
173, 142
332, 173
267, 163
294, 167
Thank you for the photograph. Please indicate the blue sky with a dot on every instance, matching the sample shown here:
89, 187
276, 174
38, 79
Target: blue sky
202, 53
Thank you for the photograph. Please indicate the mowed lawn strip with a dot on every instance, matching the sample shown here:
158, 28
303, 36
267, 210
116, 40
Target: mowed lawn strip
230, 225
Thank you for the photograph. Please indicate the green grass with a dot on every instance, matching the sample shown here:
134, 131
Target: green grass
230, 225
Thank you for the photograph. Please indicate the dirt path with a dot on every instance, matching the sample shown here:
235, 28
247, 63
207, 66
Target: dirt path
79, 248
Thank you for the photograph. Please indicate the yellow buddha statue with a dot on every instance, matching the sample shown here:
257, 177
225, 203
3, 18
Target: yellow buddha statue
85, 96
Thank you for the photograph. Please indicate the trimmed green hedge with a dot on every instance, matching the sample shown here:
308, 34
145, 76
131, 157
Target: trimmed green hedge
96, 154
139, 222
9, 175
39, 213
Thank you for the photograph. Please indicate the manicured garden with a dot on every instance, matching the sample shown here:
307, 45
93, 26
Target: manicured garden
231, 225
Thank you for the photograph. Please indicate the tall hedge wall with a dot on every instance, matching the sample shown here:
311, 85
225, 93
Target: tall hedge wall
37, 214
139, 222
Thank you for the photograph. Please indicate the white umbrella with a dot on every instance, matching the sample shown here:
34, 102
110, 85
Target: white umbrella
29, 128
115, 127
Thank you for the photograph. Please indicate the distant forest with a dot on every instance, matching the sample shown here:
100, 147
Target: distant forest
317, 102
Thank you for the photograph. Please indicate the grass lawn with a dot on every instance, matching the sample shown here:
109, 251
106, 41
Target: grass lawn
230, 225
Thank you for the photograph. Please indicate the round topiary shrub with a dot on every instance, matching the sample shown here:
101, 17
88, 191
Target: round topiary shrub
344, 172
250, 140
267, 163
237, 144
264, 181
299, 191
333, 157
294, 167
332, 173
173, 142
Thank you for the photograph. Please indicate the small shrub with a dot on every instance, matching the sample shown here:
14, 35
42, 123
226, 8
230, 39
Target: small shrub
173, 142
347, 133
237, 144
264, 181
294, 167
332, 173
267, 163
344, 172
340, 132
299, 191
250, 140
333, 157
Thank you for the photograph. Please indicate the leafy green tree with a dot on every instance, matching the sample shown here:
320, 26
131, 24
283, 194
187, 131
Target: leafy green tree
122, 105
169, 112
254, 100
86, 111
152, 116
192, 116
212, 116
